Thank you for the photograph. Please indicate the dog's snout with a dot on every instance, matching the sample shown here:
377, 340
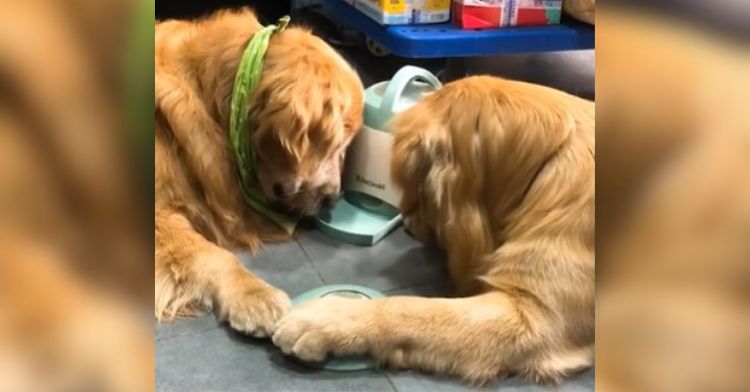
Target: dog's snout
329, 201
278, 190
328, 195
282, 190
304, 198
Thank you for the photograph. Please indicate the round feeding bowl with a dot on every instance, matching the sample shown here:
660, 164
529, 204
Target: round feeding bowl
340, 364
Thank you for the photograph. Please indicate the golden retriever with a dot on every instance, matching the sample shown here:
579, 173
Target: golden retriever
304, 113
501, 175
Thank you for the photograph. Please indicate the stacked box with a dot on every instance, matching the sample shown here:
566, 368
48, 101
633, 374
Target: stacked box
405, 12
484, 14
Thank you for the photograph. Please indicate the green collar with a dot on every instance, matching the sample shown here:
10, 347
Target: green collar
246, 80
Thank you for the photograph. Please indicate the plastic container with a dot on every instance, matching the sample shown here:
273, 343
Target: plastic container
483, 14
405, 12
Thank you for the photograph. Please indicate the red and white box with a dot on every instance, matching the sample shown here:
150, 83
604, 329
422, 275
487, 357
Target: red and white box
488, 14
477, 14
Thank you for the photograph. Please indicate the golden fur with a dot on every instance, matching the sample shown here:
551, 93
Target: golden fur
501, 174
75, 259
673, 206
583, 10
304, 113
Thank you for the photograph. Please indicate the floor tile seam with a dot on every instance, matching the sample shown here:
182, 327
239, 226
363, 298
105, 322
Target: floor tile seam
309, 261
189, 333
390, 382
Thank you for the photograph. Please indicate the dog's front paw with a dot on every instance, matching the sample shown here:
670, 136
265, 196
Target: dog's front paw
254, 310
325, 326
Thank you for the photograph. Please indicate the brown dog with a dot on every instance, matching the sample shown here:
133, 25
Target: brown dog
304, 113
502, 176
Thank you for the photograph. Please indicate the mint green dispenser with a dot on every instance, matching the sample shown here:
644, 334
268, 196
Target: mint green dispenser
368, 210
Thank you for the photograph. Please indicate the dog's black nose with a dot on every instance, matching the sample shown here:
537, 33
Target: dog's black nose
328, 201
278, 190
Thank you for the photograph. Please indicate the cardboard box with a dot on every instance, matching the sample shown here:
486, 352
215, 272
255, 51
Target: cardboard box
488, 14
405, 12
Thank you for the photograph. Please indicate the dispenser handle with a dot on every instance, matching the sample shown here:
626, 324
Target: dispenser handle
405, 76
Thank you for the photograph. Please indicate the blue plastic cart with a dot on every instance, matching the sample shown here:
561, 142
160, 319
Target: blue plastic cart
447, 40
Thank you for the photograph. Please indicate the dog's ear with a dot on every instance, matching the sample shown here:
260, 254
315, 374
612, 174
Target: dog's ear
410, 162
438, 172
411, 165
422, 159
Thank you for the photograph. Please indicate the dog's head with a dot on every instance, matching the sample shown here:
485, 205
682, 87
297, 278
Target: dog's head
436, 161
423, 166
305, 112
483, 156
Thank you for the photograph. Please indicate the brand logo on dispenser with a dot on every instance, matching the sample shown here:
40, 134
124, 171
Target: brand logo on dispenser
367, 182
367, 169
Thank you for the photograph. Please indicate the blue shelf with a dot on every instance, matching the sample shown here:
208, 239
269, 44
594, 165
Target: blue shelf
447, 40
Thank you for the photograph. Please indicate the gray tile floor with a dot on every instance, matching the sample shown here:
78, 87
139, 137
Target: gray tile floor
201, 355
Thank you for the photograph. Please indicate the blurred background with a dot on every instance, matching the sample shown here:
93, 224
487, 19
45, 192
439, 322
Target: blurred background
673, 196
76, 195
673, 184
570, 70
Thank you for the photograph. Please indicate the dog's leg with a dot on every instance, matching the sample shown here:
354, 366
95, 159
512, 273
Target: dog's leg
192, 272
478, 338
536, 320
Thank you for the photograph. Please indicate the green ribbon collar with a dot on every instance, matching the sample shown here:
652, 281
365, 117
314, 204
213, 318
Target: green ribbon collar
246, 80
